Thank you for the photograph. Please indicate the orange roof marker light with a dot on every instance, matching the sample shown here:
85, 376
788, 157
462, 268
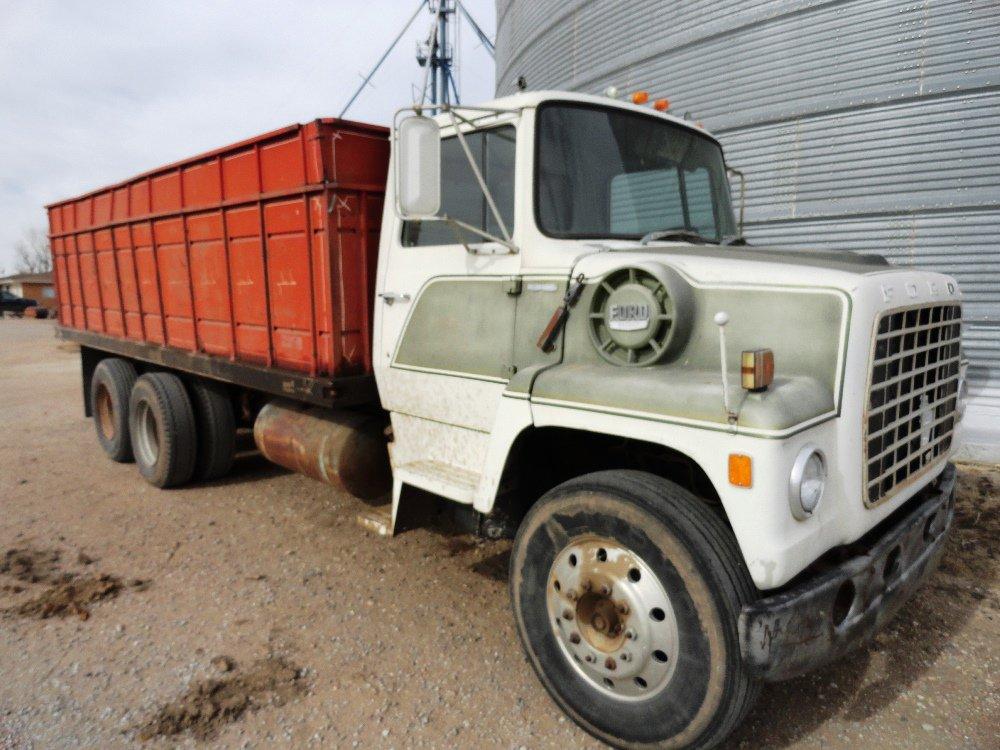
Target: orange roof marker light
661, 105
640, 97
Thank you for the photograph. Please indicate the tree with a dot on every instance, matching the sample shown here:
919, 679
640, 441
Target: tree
32, 253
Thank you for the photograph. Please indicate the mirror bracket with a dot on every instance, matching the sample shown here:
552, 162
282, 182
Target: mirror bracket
487, 193
457, 224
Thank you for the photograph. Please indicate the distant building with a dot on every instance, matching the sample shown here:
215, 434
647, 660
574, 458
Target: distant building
36, 286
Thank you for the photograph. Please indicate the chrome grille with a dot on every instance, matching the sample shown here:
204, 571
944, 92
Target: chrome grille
912, 395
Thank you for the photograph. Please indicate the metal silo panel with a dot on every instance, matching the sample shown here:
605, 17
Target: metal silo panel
982, 346
895, 157
733, 63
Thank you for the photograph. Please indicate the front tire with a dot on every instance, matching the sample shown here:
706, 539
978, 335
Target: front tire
162, 426
626, 592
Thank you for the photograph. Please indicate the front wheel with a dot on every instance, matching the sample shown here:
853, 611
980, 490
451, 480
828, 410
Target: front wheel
626, 591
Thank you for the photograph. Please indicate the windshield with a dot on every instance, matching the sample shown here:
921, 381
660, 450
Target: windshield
604, 172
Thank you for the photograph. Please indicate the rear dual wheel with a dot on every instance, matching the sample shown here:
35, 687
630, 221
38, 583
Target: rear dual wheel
179, 433
162, 426
110, 389
158, 420
215, 423
626, 591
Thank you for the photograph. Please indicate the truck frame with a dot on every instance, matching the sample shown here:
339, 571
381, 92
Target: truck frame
721, 464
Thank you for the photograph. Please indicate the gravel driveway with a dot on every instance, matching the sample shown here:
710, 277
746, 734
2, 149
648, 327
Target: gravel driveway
254, 612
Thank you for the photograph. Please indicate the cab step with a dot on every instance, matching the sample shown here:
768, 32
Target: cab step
376, 520
452, 482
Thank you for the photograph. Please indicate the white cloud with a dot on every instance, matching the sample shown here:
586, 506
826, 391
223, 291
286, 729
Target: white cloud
93, 92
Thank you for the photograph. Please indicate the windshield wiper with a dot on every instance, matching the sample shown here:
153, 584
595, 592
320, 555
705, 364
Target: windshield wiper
734, 239
676, 234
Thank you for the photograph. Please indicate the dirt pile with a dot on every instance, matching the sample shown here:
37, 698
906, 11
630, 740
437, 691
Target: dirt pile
68, 593
209, 705
29, 565
70, 597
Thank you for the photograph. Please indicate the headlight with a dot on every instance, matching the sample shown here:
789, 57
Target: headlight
807, 482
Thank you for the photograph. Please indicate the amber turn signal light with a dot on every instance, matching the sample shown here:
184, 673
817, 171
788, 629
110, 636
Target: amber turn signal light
740, 470
640, 97
757, 369
661, 105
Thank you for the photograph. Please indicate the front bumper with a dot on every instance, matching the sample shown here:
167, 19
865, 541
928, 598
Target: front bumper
812, 623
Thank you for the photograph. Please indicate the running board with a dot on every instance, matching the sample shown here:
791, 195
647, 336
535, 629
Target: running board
452, 482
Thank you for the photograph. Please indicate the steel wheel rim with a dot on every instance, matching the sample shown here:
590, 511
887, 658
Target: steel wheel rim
105, 412
148, 440
612, 619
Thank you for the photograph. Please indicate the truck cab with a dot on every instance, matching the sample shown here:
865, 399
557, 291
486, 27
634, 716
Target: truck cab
571, 327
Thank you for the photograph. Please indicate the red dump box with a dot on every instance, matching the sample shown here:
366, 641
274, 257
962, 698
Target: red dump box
254, 262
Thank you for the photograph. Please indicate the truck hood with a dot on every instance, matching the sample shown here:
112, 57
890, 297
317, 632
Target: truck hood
753, 264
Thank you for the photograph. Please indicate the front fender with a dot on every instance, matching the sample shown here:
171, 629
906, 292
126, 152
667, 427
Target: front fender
678, 396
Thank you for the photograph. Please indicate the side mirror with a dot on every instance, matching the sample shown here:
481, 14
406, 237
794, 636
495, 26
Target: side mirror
418, 167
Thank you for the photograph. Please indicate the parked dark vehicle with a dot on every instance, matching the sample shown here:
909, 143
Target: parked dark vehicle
12, 303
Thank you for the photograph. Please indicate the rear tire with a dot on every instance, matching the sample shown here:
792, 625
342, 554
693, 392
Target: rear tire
110, 389
216, 424
162, 426
626, 592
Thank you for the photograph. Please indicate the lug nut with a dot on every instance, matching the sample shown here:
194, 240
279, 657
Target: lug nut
605, 591
574, 638
572, 595
609, 663
630, 634
567, 614
625, 656
587, 585
623, 609
589, 657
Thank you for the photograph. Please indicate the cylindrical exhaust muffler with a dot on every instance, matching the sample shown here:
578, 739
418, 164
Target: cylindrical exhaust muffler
342, 448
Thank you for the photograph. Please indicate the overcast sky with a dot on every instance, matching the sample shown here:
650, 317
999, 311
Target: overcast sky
94, 92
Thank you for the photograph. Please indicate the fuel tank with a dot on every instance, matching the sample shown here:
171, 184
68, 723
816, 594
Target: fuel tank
345, 449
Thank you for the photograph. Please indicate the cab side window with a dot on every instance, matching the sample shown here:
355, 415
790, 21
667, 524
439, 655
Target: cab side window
461, 197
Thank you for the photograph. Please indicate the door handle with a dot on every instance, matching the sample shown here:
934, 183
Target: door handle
390, 297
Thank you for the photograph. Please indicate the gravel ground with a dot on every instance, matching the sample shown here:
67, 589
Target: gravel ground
260, 594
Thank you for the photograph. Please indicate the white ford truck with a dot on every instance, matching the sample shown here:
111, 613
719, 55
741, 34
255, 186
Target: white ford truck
721, 464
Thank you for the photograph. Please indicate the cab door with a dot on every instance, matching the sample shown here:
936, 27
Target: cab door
445, 350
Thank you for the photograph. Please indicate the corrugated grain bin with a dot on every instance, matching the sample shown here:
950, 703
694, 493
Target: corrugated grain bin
263, 252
